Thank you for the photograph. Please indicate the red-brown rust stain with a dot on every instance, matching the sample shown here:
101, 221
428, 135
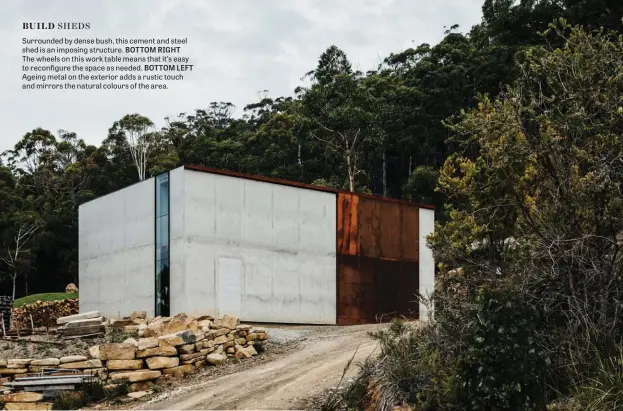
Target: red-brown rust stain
388, 231
373, 290
410, 236
347, 224
369, 227
353, 247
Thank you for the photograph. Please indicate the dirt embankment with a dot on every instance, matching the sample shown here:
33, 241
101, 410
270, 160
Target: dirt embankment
287, 381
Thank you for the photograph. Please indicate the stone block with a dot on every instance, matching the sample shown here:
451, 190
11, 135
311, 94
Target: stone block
72, 358
124, 364
13, 371
186, 348
220, 340
94, 352
157, 352
82, 364
229, 321
215, 359
179, 371
139, 315
19, 362
23, 396
180, 338
149, 342
134, 376
155, 363
117, 351
75, 317
85, 323
186, 357
33, 406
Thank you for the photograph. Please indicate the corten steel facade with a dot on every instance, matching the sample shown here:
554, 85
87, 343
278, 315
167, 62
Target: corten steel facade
377, 256
200, 240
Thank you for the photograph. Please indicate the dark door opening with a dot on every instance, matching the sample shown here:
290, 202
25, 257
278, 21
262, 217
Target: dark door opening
162, 295
162, 274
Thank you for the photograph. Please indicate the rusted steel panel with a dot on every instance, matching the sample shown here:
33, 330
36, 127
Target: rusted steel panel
347, 224
377, 229
410, 234
380, 229
373, 290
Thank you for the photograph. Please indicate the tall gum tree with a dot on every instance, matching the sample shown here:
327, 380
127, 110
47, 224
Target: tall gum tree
339, 110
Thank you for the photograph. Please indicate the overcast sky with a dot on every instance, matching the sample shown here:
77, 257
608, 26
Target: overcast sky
238, 47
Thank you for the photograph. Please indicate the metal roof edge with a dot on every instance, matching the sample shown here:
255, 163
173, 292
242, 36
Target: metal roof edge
290, 183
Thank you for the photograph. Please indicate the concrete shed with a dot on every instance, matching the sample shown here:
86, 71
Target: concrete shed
199, 240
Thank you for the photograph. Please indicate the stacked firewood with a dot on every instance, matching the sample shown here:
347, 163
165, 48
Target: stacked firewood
6, 302
44, 313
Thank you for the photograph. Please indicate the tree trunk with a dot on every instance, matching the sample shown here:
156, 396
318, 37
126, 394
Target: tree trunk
410, 164
384, 175
351, 181
14, 278
299, 155
351, 173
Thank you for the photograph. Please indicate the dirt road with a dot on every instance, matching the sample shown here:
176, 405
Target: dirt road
282, 384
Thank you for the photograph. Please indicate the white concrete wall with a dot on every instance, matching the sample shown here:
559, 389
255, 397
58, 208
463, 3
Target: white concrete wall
283, 237
116, 251
427, 263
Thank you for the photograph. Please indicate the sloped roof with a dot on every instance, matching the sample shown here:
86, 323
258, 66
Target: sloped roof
300, 185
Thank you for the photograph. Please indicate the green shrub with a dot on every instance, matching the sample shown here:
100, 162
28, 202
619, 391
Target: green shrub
69, 400
118, 336
411, 368
119, 391
260, 348
94, 391
603, 392
43, 297
504, 366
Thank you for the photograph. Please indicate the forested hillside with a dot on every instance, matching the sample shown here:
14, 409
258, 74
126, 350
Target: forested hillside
387, 131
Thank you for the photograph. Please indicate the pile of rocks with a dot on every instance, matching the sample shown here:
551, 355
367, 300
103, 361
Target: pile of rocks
22, 367
170, 348
178, 353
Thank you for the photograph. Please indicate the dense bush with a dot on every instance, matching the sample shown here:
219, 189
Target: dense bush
504, 366
411, 369
604, 390
528, 296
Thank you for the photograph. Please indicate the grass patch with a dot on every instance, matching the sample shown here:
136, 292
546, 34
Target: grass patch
30, 299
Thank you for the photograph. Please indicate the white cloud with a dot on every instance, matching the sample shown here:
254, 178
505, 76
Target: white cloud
239, 47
